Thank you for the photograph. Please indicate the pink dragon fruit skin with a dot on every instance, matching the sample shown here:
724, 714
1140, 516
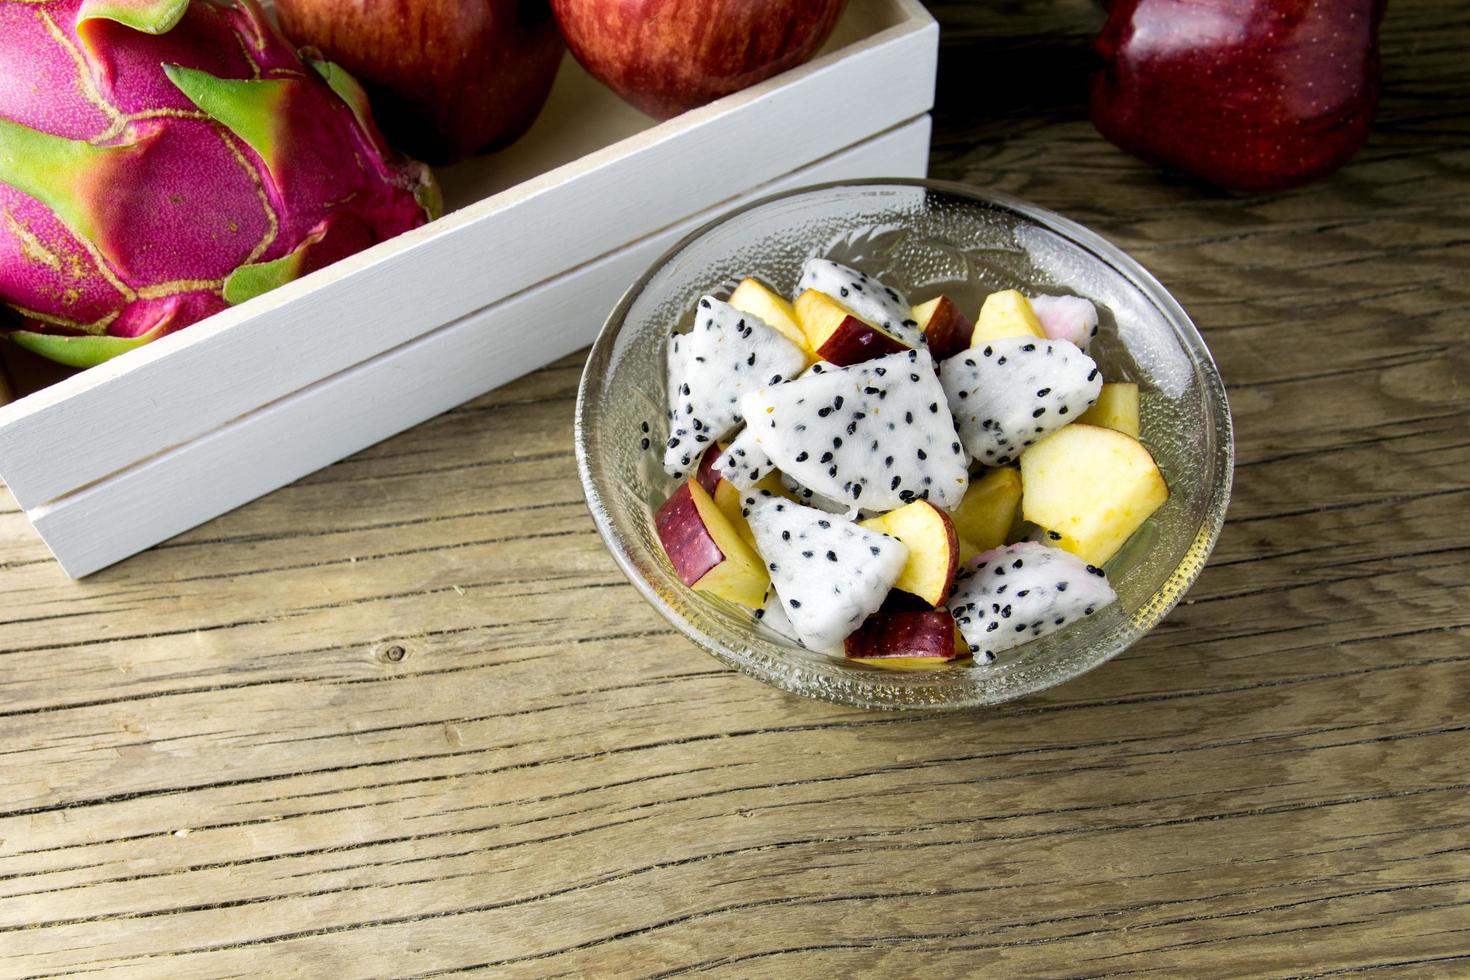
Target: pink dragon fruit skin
161, 160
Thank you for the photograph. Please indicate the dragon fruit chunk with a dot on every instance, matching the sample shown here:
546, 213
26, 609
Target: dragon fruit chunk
1013, 391
744, 463
870, 299
168, 159
773, 617
876, 434
1019, 592
829, 573
1069, 318
726, 354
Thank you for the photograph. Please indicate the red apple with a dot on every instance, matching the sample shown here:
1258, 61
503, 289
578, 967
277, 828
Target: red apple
1247, 94
905, 640
447, 78
946, 329
669, 56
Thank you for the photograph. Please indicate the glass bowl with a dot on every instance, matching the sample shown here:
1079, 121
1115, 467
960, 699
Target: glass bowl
923, 237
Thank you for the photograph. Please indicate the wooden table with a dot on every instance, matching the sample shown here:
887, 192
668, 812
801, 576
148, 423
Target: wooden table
406, 716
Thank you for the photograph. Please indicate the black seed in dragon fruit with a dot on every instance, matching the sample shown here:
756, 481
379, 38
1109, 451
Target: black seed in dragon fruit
1012, 392
726, 354
1069, 318
829, 574
873, 436
867, 297
1018, 592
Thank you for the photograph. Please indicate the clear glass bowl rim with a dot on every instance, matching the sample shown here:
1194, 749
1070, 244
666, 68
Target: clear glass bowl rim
893, 690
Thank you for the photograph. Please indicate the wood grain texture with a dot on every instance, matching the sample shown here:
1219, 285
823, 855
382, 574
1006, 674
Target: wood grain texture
405, 717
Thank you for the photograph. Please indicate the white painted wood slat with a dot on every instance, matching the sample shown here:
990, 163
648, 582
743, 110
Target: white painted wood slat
268, 448
164, 395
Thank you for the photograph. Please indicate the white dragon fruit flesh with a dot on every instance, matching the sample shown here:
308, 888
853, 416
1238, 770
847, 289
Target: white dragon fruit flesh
1018, 592
806, 495
773, 617
1066, 318
870, 299
1014, 391
744, 463
875, 435
829, 574
726, 354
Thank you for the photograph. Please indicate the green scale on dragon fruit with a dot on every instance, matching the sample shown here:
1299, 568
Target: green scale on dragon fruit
1013, 391
1018, 592
725, 354
867, 297
829, 574
874, 435
166, 159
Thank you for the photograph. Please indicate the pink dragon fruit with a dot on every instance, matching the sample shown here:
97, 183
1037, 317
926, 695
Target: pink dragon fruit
161, 160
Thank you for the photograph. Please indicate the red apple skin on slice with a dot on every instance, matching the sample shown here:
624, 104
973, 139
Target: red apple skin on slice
855, 341
706, 551
686, 540
899, 601
947, 330
837, 335
706, 474
904, 640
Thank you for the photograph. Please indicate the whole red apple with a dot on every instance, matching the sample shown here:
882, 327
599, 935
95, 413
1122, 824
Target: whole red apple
668, 56
1247, 94
447, 78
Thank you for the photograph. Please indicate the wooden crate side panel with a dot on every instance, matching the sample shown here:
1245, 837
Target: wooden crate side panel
183, 386
269, 448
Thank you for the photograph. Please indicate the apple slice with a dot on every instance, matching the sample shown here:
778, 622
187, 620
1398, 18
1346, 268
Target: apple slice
838, 335
1090, 488
1116, 408
1005, 314
706, 550
705, 473
988, 511
947, 330
906, 640
756, 298
727, 496
934, 549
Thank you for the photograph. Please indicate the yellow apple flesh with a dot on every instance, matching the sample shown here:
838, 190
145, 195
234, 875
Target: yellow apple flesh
988, 510
1090, 488
1005, 314
1116, 408
754, 297
934, 549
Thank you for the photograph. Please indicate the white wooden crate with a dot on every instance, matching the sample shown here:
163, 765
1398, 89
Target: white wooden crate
547, 233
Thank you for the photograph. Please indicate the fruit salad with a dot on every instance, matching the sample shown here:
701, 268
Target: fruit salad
898, 484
